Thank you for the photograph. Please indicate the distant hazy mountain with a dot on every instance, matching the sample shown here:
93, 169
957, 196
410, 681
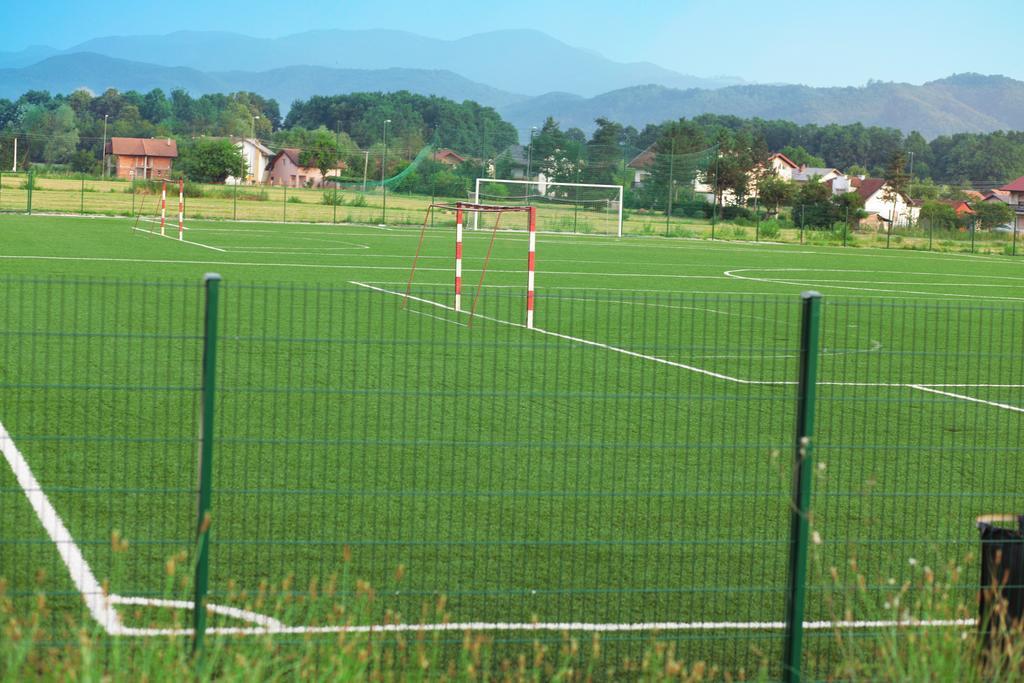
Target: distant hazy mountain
961, 103
523, 61
65, 73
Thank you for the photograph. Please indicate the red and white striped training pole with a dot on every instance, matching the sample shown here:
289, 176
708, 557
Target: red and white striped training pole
532, 266
458, 256
181, 208
163, 208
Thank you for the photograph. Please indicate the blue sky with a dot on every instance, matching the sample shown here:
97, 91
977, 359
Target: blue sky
792, 41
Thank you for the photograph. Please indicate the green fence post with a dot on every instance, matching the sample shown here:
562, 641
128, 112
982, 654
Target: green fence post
234, 202
973, 223
1013, 252
796, 584
133, 195
757, 219
31, 183
931, 232
334, 207
802, 228
284, 203
81, 198
202, 577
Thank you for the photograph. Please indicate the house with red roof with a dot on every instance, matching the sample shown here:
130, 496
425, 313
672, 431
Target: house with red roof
142, 157
882, 204
1016, 199
447, 156
284, 169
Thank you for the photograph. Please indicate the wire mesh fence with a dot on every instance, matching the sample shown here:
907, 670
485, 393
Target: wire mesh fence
625, 468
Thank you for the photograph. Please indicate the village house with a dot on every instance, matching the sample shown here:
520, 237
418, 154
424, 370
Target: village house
447, 156
803, 174
782, 166
142, 158
284, 169
1015, 191
884, 208
257, 158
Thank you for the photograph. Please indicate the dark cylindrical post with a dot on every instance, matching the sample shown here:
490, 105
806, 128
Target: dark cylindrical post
796, 584
234, 201
81, 197
757, 221
133, 195
931, 232
973, 224
31, 184
202, 576
846, 232
334, 202
801, 224
284, 203
1013, 252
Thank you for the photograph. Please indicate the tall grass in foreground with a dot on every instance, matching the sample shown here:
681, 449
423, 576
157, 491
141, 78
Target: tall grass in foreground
37, 643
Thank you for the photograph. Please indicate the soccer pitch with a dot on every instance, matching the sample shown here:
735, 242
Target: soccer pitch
624, 468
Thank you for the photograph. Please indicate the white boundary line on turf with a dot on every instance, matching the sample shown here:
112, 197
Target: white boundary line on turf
828, 284
102, 610
81, 574
964, 397
703, 371
175, 239
568, 626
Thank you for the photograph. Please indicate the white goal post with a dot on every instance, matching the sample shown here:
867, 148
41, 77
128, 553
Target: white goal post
547, 189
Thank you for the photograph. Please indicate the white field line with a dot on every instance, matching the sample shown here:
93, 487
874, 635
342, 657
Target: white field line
102, 610
963, 397
437, 317
169, 237
578, 340
328, 266
560, 627
693, 368
81, 574
824, 284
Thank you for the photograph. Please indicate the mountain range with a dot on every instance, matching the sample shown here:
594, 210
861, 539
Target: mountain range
525, 75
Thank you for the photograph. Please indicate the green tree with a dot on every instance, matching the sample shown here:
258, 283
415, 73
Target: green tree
212, 160
897, 180
775, 192
993, 213
802, 157
321, 151
937, 215
813, 205
57, 130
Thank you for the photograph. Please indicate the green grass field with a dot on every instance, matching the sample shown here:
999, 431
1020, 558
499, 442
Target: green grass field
628, 463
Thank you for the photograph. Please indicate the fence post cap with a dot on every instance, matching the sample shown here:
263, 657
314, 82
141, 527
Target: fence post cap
211, 276
811, 294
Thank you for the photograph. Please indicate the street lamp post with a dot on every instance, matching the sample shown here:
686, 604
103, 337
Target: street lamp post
529, 153
104, 145
383, 163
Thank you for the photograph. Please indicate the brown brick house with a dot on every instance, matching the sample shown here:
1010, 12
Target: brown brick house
142, 157
284, 169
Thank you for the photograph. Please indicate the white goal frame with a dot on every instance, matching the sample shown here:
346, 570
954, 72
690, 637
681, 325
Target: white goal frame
503, 181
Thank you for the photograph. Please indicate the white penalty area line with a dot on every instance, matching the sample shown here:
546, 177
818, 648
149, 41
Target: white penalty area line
933, 388
964, 397
169, 237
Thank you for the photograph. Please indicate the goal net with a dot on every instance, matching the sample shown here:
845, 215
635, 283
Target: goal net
462, 211
561, 207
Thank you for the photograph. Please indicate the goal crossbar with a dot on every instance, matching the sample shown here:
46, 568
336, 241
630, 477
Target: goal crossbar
548, 184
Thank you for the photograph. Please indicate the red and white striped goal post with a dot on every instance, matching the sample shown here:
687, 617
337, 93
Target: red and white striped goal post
460, 208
